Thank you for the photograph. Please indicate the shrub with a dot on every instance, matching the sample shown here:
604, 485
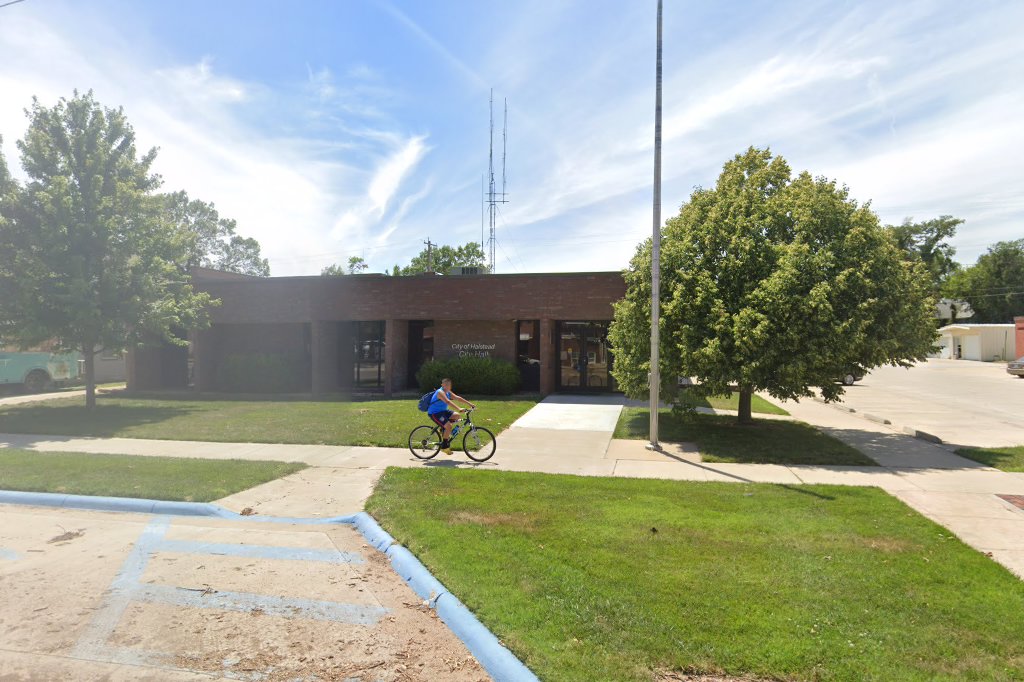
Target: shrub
263, 373
481, 376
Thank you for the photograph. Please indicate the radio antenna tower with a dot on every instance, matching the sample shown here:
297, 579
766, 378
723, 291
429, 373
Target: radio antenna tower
494, 197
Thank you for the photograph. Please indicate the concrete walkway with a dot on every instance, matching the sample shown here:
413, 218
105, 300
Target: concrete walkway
573, 435
7, 401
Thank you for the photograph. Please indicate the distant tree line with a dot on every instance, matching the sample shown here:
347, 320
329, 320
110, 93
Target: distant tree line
440, 259
993, 286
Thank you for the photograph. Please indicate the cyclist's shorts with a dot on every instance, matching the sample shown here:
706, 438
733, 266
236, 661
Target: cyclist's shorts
442, 418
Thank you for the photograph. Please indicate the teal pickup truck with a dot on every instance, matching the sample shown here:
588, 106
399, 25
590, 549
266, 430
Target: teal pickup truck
37, 370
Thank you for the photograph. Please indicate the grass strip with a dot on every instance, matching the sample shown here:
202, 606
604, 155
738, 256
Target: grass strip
720, 439
1006, 459
154, 478
385, 423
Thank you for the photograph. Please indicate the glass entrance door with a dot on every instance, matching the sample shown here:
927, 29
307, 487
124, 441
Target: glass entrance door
585, 361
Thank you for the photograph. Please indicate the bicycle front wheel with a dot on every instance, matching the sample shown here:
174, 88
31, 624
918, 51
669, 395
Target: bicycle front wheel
424, 441
479, 444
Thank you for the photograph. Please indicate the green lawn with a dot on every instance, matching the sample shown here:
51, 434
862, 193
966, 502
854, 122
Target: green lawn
720, 439
1007, 459
154, 478
371, 422
778, 582
757, 403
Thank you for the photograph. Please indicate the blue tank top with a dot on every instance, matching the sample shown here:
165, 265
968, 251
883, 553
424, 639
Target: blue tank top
437, 405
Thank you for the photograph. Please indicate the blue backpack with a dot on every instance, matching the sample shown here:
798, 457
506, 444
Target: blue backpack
424, 403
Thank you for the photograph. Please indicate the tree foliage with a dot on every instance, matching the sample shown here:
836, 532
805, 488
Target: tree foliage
88, 257
927, 240
444, 258
994, 286
772, 283
355, 266
213, 241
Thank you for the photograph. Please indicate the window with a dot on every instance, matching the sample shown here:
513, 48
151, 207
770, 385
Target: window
368, 354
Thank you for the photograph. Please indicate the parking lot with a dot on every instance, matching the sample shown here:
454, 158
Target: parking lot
961, 401
94, 595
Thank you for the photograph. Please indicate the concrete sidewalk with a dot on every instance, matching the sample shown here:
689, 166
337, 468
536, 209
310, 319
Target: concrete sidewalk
38, 397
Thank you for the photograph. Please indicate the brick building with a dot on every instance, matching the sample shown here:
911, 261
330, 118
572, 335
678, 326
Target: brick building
373, 332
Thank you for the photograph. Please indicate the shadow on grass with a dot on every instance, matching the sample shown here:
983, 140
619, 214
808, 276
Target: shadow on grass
72, 419
1005, 459
721, 439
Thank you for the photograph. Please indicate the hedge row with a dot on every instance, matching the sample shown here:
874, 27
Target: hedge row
476, 376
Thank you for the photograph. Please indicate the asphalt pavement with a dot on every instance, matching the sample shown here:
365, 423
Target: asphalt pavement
963, 402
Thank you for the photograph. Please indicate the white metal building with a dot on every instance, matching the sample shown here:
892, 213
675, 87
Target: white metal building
984, 342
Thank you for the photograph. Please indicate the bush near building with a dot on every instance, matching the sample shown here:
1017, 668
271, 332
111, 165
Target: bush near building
478, 376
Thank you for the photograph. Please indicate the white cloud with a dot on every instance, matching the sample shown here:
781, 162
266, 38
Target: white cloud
394, 169
287, 192
198, 82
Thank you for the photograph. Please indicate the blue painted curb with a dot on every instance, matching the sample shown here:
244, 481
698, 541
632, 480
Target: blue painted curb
158, 507
409, 569
371, 530
498, 661
502, 665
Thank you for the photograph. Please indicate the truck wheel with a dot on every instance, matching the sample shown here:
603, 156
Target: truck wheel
849, 380
37, 381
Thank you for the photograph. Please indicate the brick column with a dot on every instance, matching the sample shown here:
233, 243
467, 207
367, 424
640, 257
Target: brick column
324, 351
1018, 323
548, 356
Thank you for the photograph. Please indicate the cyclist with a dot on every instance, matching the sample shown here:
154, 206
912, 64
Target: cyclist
444, 412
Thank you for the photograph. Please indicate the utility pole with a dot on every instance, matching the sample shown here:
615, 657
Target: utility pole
655, 382
430, 263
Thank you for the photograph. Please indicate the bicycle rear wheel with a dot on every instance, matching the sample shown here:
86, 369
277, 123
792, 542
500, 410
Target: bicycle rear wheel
425, 442
479, 444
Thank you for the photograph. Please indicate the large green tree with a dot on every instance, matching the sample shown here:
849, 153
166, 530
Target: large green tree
213, 241
88, 257
994, 286
444, 258
927, 240
772, 283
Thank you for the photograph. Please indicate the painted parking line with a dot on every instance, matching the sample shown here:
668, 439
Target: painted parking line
127, 587
353, 614
93, 642
330, 556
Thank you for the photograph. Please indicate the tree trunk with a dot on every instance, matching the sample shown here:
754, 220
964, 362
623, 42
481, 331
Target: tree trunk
89, 353
744, 408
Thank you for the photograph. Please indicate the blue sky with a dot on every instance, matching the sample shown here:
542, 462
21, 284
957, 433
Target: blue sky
341, 128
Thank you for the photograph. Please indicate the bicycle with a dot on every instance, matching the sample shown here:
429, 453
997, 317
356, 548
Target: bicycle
478, 442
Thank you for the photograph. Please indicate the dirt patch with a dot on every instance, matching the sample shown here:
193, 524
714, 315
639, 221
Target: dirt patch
508, 520
673, 676
886, 544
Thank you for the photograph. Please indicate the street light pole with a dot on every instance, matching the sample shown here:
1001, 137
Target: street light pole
655, 381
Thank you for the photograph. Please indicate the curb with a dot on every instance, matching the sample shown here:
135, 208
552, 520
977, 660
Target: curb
923, 435
158, 507
499, 662
876, 418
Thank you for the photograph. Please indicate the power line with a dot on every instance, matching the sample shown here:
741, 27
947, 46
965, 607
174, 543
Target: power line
12, 2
